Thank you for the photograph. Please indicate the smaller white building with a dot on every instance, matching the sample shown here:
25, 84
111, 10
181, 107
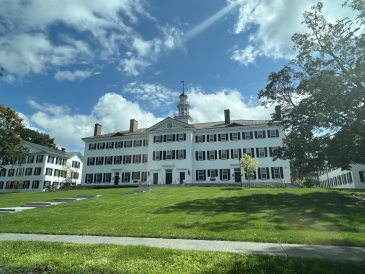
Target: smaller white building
337, 178
43, 167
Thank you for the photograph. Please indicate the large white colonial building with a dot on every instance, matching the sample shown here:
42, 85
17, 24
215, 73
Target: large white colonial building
174, 151
337, 178
43, 166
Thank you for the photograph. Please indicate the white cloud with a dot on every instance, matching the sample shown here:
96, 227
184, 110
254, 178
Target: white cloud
71, 76
273, 22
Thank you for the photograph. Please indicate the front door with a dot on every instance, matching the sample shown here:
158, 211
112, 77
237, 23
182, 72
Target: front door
168, 176
237, 175
116, 179
182, 177
155, 178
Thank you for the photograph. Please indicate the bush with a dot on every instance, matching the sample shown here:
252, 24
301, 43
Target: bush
308, 182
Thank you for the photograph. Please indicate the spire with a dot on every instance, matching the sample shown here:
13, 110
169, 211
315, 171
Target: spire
183, 88
183, 107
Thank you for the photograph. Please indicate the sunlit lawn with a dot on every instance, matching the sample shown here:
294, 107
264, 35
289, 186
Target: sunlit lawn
313, 216
42, 257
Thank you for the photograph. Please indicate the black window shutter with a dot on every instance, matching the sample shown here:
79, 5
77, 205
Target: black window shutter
243, 136
267, 172
154, 155
277, 133
272, 173
215, 154
244, 151
227, 150
154, 139
140, 158
229, 174
265, 151
164, 154
205, 177
208, 172
134, 143
257, 152
251, 134
197, 175
254, 174
203, 155
281, 173
173, 155
92, 175
173, 137
219, 137
196, 139
253, 152
239, 136
255, 134
361, 176
184, 153
268, 134
184, 136
164, 138
208, 155
231, 153
216, 173
102, 160
220, 154
134, 156
230, 136
270, 150
220, 174
226, 136
204, 138
215, 137
160, 154
124, 159
196, 155
259, 171
264, 135
240, 154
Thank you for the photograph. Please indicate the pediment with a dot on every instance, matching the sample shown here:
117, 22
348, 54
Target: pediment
169, 124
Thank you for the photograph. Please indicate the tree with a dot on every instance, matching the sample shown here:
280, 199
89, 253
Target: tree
66, 174
309, 182
322, 93
11, 150
18, 185
34, 136
249, 166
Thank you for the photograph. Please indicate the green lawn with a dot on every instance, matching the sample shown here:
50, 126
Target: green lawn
312, 216
41, 257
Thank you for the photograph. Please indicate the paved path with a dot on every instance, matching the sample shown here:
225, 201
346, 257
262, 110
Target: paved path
290, 250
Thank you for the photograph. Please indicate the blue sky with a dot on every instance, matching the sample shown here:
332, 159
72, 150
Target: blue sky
71, 64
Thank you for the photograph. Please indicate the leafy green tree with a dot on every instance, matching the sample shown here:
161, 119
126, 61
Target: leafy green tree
18, 185
34, 136
321, 93
11, 150
249, 166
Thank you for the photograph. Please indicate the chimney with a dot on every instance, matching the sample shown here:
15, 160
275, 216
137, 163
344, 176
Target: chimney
133, 126
50, 145
227, 117
277, 115
63, 149
97, 130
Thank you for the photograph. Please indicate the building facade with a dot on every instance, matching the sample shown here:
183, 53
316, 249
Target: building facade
176, 151
43, 167
337, 178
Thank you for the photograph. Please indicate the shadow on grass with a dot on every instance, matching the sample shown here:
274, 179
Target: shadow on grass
330, 211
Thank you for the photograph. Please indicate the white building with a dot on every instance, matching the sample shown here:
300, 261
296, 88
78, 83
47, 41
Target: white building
175, 150
337, 178
43, 166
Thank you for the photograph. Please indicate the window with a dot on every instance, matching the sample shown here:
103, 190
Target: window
109, 145
136, 159
181, 137
212, 154
144, 176
235, 153
39, 159
234, 136
181, 154
157, 155
46, 184
127, 159
117, 160
225, 174
89, 178
1, 185
37, 171
273, 133
169, 138
26, 184
20, 171
169, 155
199, 139
92, 146
145, 158
362, 176
344, 181
108, 160
11, 172
98, 178
2, 172
118, 144
137, 143
200, 175
30, 159
212, 173
57, 172
261, 152
223, 154
264, 173
200, 155
99, 160
35, 184
50, 159
136, 175
211, 138
58, 161
349, 177
9, 185
126, 177
90, 161
101, 145
107, 178
276, 172
75, 164
248, 151
28, 171
128, 144
49, 171
157, 139
247, 135
145, 143
75, 175
223, 137
260, 134
273, 151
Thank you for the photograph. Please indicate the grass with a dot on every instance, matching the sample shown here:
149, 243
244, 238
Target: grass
305, 216
43, 257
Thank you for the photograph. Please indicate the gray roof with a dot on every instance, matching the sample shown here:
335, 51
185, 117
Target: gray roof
197, 126
53, 150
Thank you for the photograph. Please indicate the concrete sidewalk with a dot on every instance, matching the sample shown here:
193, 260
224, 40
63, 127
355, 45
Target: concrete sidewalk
290, 250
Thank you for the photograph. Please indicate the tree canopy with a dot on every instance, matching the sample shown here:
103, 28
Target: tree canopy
11, 149
34, 136
322, 93
249, 166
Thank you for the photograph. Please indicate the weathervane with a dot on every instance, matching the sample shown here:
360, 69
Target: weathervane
183, 85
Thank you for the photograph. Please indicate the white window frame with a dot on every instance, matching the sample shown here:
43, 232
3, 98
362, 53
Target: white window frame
128, 159
98, 178
99, 161
247, 135
92, 146
101, 145
200, 175
145, 158
180, 137
107, 177
158, 139
212, 173
277, 173
37, 171
39, 159
234, 136
260, 134
144, 176
136, 159
211, 138
224, 174
126, 176
109, 160
168, 154
135, 176
138, 143
145, 143
157, 155
30, 157
249, 151
35, 184
223, 137
128, 143
169, 138
263, 172
118, 160
49, 171
211, 154
89, 178
236, 153
273, 149
200, 138
19, 171
118, 144
28, 171
109, 145
180, 153
200, 155
272, 133
261, 150
50, 159
225, 154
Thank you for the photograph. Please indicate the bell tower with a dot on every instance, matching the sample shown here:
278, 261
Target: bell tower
183, 108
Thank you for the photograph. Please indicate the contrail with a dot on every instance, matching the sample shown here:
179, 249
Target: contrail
205, 24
